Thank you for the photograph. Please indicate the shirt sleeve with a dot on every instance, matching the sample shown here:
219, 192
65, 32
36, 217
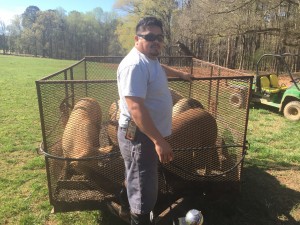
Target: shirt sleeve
133, 81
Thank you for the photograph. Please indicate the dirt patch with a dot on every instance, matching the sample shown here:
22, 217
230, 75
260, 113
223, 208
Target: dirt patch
217, 72
284, 80
289, 178
269, 197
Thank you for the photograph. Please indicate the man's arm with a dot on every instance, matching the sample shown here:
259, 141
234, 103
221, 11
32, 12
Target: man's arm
141, 117
177, 73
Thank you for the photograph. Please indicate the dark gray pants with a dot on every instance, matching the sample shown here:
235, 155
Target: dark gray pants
141, 168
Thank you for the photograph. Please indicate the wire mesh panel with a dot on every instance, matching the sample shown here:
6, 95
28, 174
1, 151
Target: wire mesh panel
79, 118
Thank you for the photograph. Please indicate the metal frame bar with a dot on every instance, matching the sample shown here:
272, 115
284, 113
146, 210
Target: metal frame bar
40, 103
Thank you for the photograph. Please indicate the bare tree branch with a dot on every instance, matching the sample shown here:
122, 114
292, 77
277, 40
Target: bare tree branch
263, 31
292, 2
234, 9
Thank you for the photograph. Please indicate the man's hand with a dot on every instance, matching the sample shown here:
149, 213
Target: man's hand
164, 151
141, 117
186, 76
177, 73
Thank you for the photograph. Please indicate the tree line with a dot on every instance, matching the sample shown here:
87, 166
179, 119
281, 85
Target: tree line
231, 33
235, 33
55, 34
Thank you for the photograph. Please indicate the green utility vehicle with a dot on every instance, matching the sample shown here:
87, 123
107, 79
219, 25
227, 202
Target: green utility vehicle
275, 85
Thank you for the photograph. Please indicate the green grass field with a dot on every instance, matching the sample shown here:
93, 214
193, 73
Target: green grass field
270, 188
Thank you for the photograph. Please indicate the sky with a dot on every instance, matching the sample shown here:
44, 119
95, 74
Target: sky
10, 8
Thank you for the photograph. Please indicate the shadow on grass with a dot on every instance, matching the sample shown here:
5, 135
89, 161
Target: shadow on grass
271, 109
261, 201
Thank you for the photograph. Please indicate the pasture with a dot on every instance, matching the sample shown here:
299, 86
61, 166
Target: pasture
270, 188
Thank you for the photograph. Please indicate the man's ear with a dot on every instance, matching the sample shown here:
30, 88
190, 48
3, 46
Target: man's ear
136, 38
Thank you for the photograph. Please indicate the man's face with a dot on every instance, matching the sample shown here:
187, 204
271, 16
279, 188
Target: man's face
150, 41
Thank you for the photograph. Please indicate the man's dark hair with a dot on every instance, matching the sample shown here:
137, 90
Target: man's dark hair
148, 21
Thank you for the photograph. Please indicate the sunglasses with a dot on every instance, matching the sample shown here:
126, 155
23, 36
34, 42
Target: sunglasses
152, 37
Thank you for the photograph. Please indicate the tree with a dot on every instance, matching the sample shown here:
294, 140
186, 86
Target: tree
29, 16
125, 31
53, 33
3, 41
237, 32
14, 35
28, 42
49, 33
232, 33
163, 9
28, 37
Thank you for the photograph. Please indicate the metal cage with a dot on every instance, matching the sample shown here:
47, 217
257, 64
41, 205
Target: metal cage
209, 125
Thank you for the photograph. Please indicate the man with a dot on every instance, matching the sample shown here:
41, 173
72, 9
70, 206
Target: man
146, 100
